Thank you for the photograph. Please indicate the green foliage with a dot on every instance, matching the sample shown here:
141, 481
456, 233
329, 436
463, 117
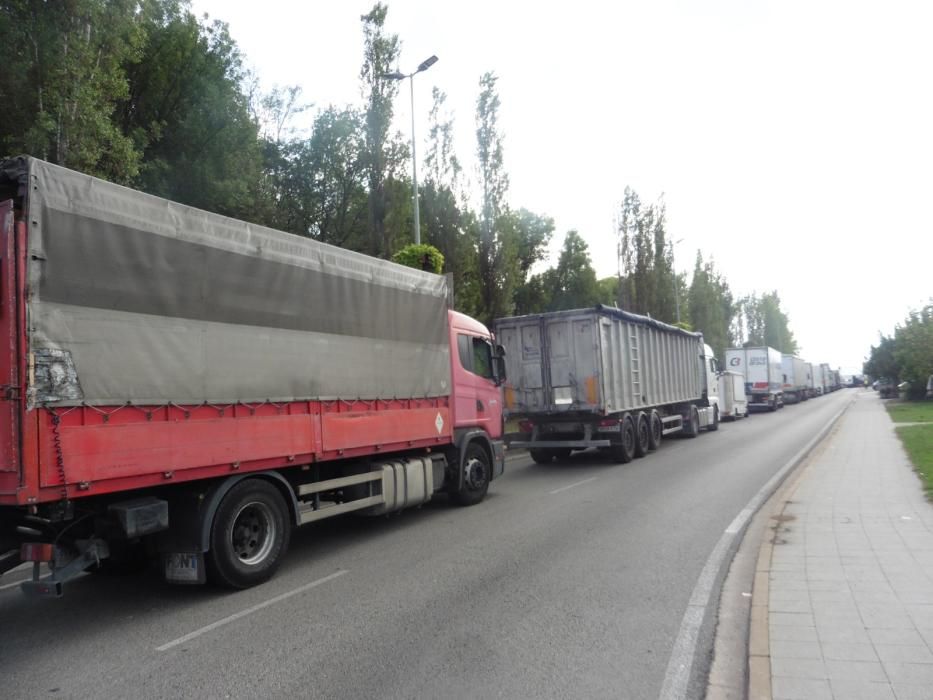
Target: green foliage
421, 256
908, 354
62, 79
648, 284
913, 350
918, 443
711, 307
910, 411
881, 362
498, 254
766, 323
380, 53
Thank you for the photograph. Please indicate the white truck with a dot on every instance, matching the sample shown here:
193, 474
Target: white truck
816, 379
764, 377
733, 403
796, 386
605, 378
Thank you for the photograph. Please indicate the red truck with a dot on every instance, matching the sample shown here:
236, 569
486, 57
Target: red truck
181, 386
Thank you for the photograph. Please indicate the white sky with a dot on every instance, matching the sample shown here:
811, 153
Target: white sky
793, 140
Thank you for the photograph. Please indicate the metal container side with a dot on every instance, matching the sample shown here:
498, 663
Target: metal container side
597, 360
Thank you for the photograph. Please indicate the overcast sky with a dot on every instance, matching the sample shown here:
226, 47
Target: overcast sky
793, 141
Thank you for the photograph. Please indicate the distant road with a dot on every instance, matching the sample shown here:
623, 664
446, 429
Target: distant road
569, 580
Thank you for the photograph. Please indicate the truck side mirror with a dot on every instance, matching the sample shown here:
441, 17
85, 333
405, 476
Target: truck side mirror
498, 366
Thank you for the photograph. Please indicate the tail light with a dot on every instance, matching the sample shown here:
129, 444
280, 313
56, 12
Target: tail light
526, 426
608, 422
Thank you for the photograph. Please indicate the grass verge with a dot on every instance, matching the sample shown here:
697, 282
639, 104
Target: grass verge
911, 411
918, 442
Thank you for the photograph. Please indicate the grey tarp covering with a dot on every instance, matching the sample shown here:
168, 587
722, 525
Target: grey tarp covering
139, 299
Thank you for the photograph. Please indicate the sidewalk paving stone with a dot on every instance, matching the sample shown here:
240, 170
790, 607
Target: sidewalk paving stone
850, 578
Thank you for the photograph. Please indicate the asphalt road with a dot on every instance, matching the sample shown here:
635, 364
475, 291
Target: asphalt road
569, 580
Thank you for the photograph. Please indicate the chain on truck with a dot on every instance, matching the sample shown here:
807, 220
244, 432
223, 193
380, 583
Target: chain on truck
185, 388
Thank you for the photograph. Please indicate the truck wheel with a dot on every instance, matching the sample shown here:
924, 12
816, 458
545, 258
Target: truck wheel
249, 535
642, 434
692, 427
541, 456
476, 473
715, 424
772, 405
624, 451
562, 453
655, 432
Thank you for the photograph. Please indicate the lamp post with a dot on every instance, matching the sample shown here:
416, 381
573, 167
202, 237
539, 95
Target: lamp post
425, 64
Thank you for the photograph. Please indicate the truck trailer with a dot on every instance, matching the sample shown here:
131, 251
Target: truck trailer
816, 379
186, 387
762, 368
733, 403
605, 378
796, 384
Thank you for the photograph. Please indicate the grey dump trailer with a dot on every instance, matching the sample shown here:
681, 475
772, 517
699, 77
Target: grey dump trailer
605, 378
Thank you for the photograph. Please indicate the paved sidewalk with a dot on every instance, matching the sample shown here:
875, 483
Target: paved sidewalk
843, 599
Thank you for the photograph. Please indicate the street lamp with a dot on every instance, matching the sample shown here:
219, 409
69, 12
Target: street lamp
425, 64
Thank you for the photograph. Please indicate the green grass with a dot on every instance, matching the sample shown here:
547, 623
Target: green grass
911, 411
918, 441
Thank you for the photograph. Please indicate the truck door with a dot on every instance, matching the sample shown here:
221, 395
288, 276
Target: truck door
9, 344
477, 396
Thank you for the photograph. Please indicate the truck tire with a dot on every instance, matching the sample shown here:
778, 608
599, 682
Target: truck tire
642, 434
624, 451
692, 426
476, 471
249, 535
541, 455
715, 424
656, 431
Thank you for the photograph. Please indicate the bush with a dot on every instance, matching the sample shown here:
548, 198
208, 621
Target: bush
421, 257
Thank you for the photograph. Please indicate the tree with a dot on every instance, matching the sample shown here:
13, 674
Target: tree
420, 256
647, 281
380, 52
881, 362
189, 116
575, 280
913, 350
63, 77
496, 258
766, 323
711, 306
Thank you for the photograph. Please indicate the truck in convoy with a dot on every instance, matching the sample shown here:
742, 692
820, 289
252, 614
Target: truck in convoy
816, 379
188, 387
796, 384
601, 377
733, 404
762, 368
831, 380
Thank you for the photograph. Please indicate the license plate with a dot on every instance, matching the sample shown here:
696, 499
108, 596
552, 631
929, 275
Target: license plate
184, 568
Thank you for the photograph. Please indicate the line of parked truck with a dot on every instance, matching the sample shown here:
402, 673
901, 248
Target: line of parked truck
180, 387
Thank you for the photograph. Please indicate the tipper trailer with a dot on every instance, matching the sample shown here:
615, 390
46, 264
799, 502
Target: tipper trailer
186, 386
762, 368
605, 378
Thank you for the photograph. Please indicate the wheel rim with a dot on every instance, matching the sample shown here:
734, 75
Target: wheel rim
254, 533
628, 438
656, 428
475, 473
643, 435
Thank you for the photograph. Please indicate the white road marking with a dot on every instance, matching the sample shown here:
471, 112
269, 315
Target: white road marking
571, 486
12, 585
683, 656
249, 611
